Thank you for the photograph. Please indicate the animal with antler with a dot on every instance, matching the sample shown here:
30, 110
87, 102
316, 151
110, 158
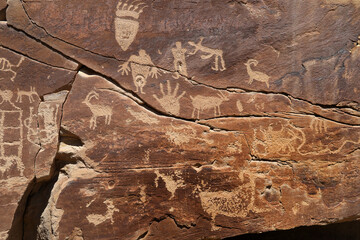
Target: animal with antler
29, 94
201, 103
209, 53
255, 75
6, 66
97, 110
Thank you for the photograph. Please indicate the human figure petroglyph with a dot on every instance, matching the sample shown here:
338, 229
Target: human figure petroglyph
6, 66
255, 75
141, 67
179, 60
97, 110
169, 101
29, 94
10, 122
209, 53
126, 22
49, 115
318, 125
97, 219
201, 103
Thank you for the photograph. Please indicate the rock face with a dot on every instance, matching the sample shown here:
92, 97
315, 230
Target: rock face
177, 120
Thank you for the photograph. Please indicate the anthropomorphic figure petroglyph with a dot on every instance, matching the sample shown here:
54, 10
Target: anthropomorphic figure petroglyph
141, 68
318, 125
29, 94
49, 115
255, 75
97, 219
6, 66
201, 103
126, 22
97, 110
179, 59
10, 122
169, 101
209, 53
31, 123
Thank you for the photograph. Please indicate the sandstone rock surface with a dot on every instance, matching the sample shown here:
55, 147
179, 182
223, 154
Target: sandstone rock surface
177, 119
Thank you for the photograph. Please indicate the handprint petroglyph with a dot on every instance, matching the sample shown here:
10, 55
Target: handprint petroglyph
169, 101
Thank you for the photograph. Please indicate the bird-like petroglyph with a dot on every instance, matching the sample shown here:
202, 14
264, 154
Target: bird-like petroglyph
255, 75
6, 66
97, 110
141, 68
97, 219
29, 94
169, 101
11, 134
219, 63
126, 22
201, 103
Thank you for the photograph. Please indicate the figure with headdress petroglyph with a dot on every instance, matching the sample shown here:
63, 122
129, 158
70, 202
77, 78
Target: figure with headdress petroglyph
141, 68
179, 60
6, 66
29, 94
255, 75
97, 110
209, 53
126, 22
169, 101
201, 103
10, 126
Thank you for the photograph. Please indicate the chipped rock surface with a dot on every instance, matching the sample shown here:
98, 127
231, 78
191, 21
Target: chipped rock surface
177, 119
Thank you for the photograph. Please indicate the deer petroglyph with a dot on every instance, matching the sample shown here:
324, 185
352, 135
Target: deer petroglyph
201, 103
29, 94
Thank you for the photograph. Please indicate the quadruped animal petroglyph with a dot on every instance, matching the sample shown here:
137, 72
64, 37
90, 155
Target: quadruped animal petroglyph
126, 22
255, 75
201, 103
6, 66
29, 94
141, 68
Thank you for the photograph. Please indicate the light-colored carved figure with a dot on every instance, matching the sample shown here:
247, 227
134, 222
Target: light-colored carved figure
143, 117
239, 106
97, 219
172, 183
76, 234
179, 60
126, 22
209, 53
6, 66
201, 103
48, 113
169, 101
141, 68
31, 123
255, 75
97, 110
29, 94
318, 126
11, 134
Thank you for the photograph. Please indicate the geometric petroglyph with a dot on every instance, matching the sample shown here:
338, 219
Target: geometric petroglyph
126, 22
11, 133
179, 60
201, 103
209, 53
28, 94
97, 219
6, 66
141, 68
255, 75
97, 110
169, 101
318, 126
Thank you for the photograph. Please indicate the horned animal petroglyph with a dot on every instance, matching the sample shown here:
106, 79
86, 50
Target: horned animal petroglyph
6, 66
29, 94
201, 103
97, 110
255, 75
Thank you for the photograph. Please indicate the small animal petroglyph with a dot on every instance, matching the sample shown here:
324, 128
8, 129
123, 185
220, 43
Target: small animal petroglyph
255, 75
201, 103
179, 59
6, 66
169, 101
10, 123
141, 68
29, 94
97, 110
126, 22
209, 53
76, 234
97, 219
318, 125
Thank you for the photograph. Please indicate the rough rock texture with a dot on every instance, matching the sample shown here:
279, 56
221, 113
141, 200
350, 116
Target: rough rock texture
178, 119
